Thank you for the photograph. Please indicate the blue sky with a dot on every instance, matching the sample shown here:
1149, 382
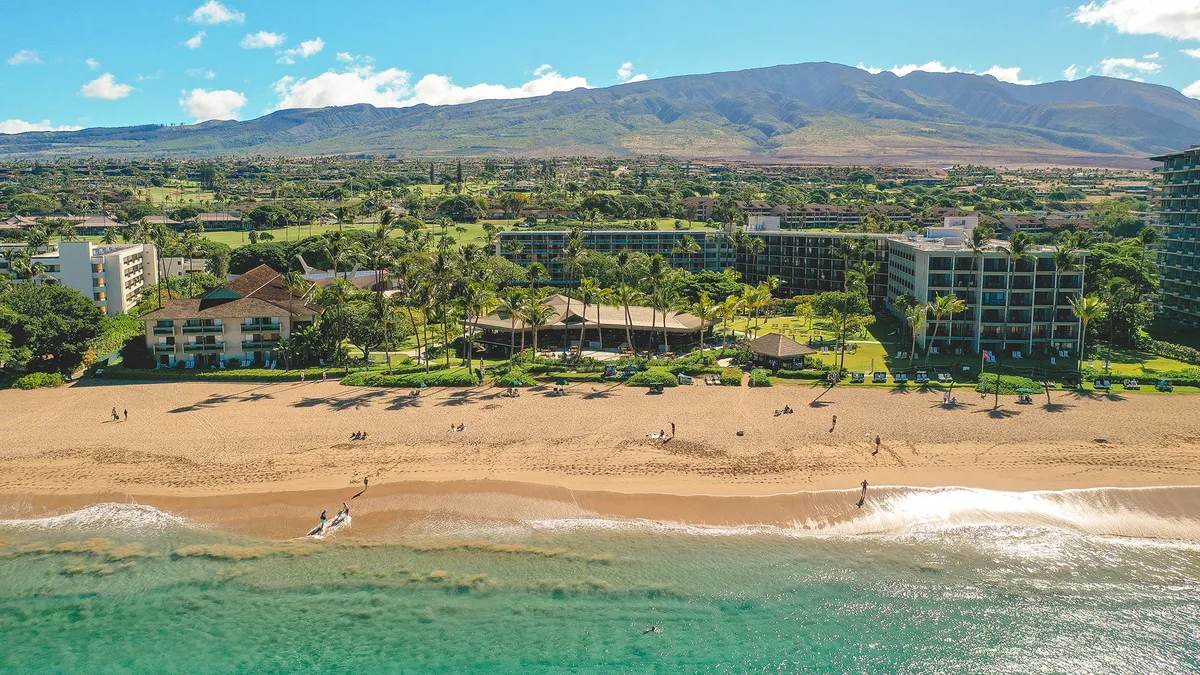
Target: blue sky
80, 64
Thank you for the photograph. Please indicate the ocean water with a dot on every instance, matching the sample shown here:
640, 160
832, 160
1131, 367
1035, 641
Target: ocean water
127, 589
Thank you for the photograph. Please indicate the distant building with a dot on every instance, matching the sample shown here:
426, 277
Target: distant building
699, 208
244, 319
112, 276
525, 247
807, 262
1178, 205
178, 267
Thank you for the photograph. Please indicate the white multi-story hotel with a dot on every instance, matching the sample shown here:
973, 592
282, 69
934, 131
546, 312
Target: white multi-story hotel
112, 276
1011, 307
243, 319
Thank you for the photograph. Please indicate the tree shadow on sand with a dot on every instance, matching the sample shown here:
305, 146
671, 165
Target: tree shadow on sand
214, 400
601, 393
1000, 413
363, 399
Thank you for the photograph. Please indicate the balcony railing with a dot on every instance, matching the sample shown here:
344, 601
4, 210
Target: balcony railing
163, 330
260, 344
202, 330
260, 327
204, 347
164, 349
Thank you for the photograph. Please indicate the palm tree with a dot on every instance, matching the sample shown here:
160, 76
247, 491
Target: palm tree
572, 255
656, 277
729, 309
916, 316
664, 300
1066, 258
1019, 247
1087, 309
979, 242
512, 299
537, 313
942, 305
601, 297
588, 289
625, 294
706, 310
628, 295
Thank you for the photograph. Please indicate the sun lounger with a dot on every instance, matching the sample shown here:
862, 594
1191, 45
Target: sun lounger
922, 378
880, 377
856, 378
1016, 355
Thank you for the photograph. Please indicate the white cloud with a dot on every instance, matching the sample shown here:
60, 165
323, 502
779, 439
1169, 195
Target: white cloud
1127, 68
1155, 55
201, 72
105, 86
625, 74
263, 40
1071, 72
143, 78
196, 40
869, 69
392, 88
1011, 75
21, 126
1194, 53
1168, 18
930, 67
24, 56
213, 12
221, 104
92, 64
346, 57
305, 50
1192, 90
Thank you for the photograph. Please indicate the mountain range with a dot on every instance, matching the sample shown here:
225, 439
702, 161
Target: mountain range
810, 112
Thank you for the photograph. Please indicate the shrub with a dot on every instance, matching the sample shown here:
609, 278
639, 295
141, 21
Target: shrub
731, 377
506, 375
652, 376
801, 374
1009, 384
760, 378
39, 380
1173, 351
1185, 377
458, 377
135, 353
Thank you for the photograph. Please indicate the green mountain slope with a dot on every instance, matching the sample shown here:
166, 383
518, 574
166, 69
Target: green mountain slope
812, 111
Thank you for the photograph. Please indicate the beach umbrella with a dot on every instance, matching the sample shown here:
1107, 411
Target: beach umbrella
421, 385
1024, 390
516, 383
562, 383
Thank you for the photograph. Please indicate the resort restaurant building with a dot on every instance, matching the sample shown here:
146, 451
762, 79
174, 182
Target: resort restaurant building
604, 328
243, 319
1012, 307
525, 247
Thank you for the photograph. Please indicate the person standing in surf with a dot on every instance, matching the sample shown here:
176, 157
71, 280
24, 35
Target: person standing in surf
863, 498
325, 512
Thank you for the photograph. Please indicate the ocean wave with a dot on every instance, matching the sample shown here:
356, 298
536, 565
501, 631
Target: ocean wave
1144, 513
105, 516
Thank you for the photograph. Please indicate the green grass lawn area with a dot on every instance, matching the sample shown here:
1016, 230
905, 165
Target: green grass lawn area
180, 192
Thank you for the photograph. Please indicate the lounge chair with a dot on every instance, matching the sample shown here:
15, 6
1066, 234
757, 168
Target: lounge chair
880, 377
857, 378
922, 378
900, 378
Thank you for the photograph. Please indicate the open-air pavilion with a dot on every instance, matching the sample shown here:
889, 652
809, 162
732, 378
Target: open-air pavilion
779, 351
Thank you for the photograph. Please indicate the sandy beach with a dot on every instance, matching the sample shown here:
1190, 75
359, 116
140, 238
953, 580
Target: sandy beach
233, 446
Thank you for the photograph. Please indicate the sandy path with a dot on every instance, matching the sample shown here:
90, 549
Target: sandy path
193, 439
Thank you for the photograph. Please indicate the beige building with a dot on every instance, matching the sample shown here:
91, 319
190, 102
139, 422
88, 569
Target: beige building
243, 319
112, 276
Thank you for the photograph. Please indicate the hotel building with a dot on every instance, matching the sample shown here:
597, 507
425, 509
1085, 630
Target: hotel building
1178, 203
112, 276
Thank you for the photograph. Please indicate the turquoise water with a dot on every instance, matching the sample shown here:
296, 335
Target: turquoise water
981, 599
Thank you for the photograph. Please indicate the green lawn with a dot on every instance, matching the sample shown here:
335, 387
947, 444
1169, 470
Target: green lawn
175, 193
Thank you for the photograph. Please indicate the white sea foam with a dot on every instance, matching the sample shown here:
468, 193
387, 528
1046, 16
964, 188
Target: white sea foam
105, 516
332, 527
1144, 513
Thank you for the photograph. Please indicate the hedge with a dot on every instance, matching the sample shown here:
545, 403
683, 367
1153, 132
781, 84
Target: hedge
1173, 351
652, 376
1009, 384
218, 375
504, 376
39, 380
731, 377
759, 378
1187, 377
458, 377
801, 374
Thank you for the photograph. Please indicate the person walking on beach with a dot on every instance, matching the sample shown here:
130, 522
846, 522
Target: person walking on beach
834, 424
878, 442
127, 414
863, 498
672, 430
115, 416
365, 479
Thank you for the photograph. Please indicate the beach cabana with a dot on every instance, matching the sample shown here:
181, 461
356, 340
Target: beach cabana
778, 351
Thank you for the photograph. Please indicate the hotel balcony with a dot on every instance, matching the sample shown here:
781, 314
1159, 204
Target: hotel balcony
163, 330
199, 347
164, 349
203, 330
260, 327
259, 344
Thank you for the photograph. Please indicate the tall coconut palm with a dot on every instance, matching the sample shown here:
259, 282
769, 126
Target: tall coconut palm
572, 257
601, 298
1087, 309
511, 300
942, 305
1018, 250
915, 316
628, 295
588, 289
1066, 258
729, 309
664, 300
706, 310
979, 242
537, 313
656, 277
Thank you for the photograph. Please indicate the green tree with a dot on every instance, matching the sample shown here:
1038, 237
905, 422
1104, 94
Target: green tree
1087, 308
942, 306
55, 324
